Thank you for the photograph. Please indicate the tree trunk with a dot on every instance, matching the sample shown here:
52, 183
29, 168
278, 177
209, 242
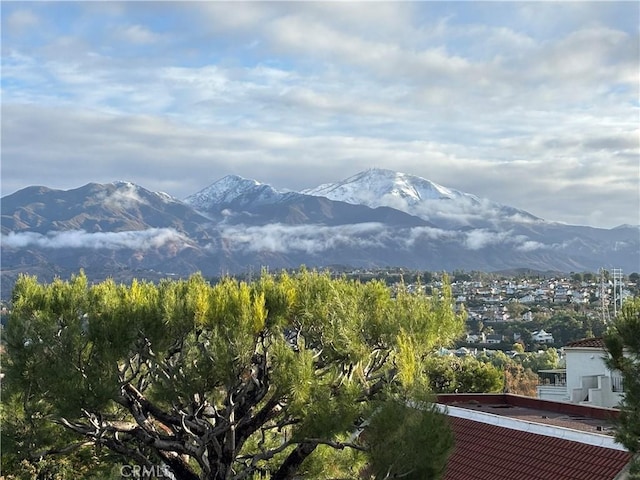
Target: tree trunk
179, 468
292, 463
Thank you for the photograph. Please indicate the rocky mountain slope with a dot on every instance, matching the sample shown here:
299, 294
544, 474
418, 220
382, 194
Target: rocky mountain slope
377, 218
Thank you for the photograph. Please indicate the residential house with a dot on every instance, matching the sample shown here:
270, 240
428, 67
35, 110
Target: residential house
586, 379
561, 294
476, 338
500, 314
542, 295
528, 298
494, 338
464, 351
527, 316
581, 296
542, 337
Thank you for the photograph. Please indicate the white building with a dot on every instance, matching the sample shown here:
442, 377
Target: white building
542, 337
586, 379
528, 298
476, 338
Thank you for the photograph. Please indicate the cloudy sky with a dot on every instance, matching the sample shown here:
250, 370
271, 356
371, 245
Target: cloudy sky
535, 105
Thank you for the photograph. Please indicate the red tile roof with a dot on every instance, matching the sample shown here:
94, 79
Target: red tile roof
488, 452
596, 342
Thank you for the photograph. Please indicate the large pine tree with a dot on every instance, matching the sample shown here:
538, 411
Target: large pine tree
623, 343
289, 376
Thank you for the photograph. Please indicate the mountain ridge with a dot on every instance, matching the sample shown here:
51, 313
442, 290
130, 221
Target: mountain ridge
402, 182
421, 197
122, 230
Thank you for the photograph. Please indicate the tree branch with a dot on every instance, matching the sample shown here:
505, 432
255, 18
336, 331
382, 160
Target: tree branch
179, 467
62, 450
246, 428
336, 445
265, 455
292, 463
156, 412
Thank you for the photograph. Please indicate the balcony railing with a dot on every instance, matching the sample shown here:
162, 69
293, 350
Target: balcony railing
552, 378
617, 384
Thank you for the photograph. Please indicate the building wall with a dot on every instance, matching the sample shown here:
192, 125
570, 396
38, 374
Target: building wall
589, 378
584, 362
553, 393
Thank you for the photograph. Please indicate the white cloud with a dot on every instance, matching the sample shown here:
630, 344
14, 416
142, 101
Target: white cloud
310, 239
531, 107
587, 56
125, 197
478, 239
530, 246
138, 240
137, 34
420, 234
279, 238
483, 238
20, 20
314, 239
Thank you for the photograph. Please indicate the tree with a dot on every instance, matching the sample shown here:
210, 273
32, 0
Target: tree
230, 381
622, 341
449, 374
546, 360
520, 380
461, 276
517, 378
427, 277
566, 327
515, 310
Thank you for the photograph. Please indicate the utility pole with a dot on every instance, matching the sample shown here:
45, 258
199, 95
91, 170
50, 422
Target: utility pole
617, 289
604, 298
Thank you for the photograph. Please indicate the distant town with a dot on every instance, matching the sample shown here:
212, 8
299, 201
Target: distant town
533, 309
530, 308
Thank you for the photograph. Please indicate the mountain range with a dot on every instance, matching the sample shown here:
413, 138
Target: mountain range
376, 218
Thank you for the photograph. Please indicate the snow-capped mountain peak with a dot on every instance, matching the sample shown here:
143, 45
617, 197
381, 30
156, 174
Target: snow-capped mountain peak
230, 189
134, 189
376, 187
373, 188
417, 196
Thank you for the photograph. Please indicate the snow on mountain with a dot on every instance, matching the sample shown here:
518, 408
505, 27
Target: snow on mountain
445, 207
378, 187
238, 224
418, 196
136, 193
233, 189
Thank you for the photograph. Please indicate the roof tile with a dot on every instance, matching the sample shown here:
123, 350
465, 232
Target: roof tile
485, 451
596, 342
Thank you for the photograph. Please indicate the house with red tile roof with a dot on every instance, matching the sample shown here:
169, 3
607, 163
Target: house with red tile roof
586, 379
504, 436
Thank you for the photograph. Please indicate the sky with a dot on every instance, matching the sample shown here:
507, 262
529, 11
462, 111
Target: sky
533, 105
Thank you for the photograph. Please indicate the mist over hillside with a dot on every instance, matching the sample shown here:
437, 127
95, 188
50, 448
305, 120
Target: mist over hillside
377, 218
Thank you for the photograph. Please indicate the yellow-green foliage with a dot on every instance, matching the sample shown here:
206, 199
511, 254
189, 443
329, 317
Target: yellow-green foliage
408, 442
325, 353
450, 374
406, 360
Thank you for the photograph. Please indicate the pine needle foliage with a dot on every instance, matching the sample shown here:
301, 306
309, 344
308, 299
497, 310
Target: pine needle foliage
622, 341
290, 376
